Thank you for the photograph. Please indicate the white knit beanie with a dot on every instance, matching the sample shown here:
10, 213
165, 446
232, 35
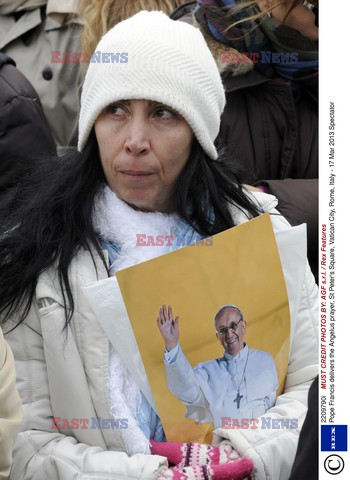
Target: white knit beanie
168, 62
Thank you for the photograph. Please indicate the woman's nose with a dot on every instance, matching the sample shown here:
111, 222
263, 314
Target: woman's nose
137, 139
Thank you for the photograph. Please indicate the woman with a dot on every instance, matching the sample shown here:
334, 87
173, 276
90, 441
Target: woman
279, 39
146, 136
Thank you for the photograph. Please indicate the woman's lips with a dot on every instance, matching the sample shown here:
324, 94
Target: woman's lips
136, 175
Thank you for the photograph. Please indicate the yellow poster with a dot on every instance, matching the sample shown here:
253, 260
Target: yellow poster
240, 269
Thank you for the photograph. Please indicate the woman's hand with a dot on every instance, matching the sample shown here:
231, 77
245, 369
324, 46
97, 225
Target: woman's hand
195, 460
169, 328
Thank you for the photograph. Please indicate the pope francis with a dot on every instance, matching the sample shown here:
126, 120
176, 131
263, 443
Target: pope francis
242, 384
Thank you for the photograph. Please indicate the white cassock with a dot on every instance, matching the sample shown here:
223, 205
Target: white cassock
240, 387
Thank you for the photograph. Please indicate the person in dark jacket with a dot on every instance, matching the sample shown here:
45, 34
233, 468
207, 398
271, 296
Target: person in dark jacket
25, 135
43, 38
306, 463
270, 122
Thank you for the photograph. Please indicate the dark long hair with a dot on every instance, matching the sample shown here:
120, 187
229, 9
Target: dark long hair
49, 218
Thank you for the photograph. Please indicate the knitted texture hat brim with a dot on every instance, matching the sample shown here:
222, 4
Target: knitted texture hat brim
167, 62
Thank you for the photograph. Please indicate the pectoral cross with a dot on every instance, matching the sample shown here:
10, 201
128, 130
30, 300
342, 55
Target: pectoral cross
238, 399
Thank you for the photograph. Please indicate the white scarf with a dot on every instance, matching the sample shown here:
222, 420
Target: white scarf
117, 222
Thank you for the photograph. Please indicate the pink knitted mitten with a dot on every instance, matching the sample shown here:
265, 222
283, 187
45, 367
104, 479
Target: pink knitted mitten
237, 470
191, 454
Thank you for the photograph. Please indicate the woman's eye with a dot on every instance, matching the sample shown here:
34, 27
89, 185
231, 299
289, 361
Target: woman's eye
164, 113
116, 110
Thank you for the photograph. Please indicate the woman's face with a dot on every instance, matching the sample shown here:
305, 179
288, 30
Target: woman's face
143, 148
300, 17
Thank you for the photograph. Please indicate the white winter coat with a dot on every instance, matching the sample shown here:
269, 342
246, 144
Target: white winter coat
65, 374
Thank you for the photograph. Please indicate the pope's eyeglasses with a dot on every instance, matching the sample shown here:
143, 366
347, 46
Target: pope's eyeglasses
233, 327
